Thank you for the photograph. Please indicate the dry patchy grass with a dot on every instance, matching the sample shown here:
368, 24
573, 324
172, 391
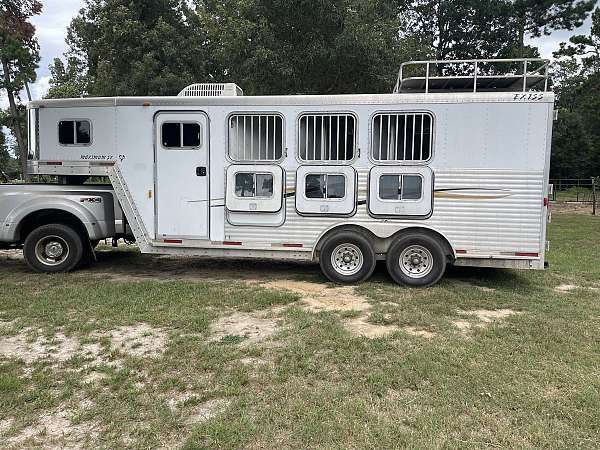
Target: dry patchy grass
140, 351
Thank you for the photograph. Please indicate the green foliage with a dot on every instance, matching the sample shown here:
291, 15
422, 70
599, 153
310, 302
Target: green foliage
19, 57
464, 29
67, 81
132, 47
19, 50
576, 143
540, 17
9, 165
307, 46
18, 46
585, 47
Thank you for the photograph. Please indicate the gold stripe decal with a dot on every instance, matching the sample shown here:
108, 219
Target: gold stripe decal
473, 194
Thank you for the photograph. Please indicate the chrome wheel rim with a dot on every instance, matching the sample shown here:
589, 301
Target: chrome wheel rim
416, 261
51, 250
347, 259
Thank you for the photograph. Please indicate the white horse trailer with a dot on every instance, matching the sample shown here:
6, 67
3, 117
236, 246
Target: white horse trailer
448, 169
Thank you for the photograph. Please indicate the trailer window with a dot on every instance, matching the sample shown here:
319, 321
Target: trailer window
253, 185
325, 186
74, 132
255, 137
400, 187
402, 137
327, 137
181, 135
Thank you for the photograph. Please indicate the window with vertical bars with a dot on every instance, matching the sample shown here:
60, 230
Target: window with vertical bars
402, 137
254, 137
327, 137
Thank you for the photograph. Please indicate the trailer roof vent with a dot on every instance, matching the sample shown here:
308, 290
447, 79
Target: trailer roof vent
212, 90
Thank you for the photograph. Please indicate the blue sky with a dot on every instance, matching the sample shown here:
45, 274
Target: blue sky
52, 25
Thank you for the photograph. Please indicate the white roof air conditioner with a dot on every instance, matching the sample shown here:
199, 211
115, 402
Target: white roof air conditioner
212, 90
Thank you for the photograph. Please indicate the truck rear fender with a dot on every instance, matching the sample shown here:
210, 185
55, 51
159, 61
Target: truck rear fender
42, 210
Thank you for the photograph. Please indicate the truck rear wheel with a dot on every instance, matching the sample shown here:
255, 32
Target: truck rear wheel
53, 248
347, 257
416, 260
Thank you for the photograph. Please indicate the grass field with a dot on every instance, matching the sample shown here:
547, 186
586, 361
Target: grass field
144, 352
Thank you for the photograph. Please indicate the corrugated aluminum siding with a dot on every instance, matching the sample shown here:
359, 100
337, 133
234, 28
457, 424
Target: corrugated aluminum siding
476, 223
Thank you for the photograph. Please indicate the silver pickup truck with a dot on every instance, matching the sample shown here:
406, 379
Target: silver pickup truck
59, 226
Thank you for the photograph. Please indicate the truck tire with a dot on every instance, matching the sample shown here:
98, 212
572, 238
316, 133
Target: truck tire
416, 259
53, 248
347, 257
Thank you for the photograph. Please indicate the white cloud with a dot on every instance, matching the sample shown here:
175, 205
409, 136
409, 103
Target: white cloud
549, 44
51, 31
40, 87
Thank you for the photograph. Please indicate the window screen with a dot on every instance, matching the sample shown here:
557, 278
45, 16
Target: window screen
400, 187
255, 137
254, 185
180, 135
402, 137
329, 137
74, 132
325, 186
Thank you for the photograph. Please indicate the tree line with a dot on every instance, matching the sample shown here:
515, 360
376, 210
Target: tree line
156, 47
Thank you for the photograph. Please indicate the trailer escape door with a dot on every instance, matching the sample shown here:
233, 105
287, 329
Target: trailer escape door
182, 165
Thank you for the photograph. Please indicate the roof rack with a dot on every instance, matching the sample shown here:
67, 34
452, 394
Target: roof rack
473, 75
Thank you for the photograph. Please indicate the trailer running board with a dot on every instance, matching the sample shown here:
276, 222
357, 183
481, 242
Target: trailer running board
134, 218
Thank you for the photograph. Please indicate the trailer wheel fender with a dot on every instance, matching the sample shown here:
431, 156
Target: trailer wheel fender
442, 240
340, 229
385, 241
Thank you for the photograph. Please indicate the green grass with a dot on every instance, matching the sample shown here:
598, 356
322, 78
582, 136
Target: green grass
575, 194
532, 380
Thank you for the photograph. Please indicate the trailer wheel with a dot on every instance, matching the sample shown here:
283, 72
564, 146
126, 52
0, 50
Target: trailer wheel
416, 260
53, 248
347, 257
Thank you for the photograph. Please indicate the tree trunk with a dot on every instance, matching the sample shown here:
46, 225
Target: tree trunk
28, 91
14, 113
521, 38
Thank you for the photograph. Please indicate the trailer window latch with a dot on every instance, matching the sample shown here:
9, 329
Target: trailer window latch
200, 171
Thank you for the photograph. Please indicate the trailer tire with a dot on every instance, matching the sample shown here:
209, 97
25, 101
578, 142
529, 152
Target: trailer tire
417, 260
347, 257
53, 248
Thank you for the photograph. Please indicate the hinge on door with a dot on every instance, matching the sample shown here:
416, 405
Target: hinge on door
555, 115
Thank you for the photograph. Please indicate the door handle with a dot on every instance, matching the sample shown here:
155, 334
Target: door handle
200, 171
